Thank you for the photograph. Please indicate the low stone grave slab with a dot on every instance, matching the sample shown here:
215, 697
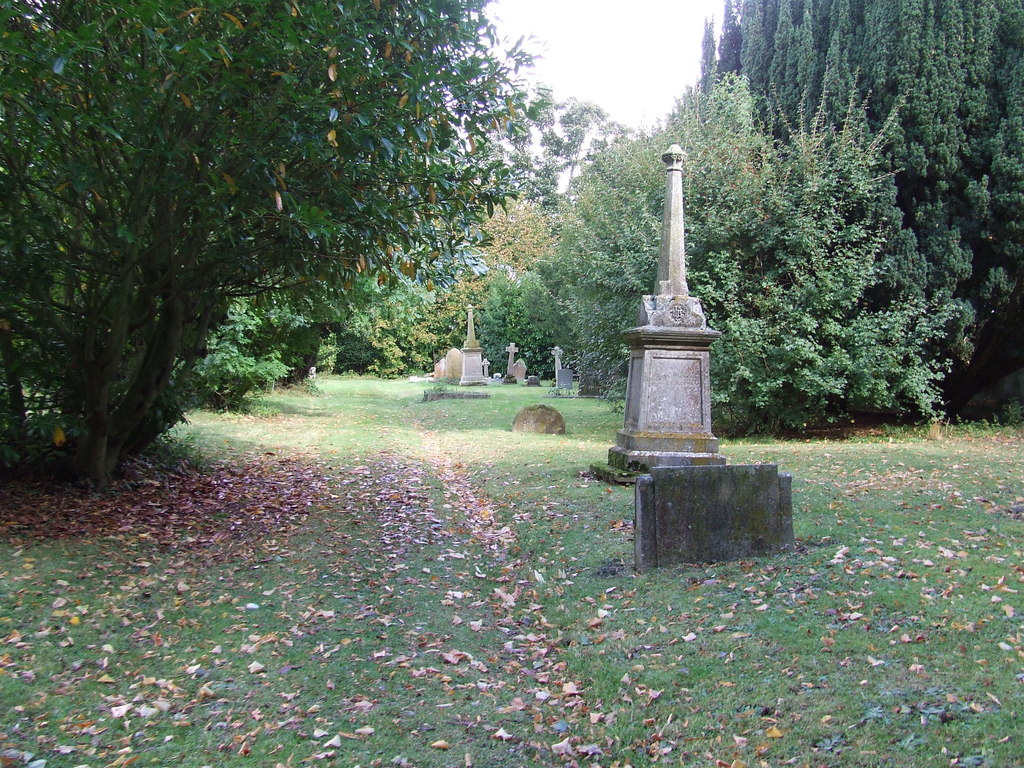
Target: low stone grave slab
712, 513
608, 474
539, 418
429, 397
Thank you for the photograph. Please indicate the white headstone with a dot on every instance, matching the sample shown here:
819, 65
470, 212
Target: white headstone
557, 352
511, 349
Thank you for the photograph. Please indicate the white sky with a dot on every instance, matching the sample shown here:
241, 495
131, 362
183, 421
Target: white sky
634, 59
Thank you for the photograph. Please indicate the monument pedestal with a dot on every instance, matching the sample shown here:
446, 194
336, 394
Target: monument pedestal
472, 368
668, 400
709, 514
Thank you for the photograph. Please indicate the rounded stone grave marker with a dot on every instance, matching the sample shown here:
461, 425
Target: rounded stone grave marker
539, 418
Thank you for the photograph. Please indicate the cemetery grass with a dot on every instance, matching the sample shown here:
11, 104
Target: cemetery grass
367, 579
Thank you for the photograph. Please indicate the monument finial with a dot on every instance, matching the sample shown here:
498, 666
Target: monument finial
471, 341
672, 258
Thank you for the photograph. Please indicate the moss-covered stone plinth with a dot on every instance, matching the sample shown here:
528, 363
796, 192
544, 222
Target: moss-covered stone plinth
707, 514
608, 474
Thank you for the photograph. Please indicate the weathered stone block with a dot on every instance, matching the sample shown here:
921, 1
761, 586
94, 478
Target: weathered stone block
702, 514
668, 401
472, 368
519, 370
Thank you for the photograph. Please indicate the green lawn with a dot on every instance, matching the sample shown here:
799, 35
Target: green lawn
389, 582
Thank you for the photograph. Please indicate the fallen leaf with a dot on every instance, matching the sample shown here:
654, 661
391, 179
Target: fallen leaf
562, 747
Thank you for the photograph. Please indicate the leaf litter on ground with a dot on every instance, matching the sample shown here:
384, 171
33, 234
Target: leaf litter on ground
394, 611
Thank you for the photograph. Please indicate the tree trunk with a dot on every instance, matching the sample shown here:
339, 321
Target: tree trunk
12, 382
104, 337
91, 459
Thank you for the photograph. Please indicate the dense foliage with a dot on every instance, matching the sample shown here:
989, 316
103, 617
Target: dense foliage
950, 78
158, 162
403, 330
787, 247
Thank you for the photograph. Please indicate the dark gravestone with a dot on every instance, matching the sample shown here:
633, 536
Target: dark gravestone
539, 418
592, 385
707, 514
532, 381
563, 378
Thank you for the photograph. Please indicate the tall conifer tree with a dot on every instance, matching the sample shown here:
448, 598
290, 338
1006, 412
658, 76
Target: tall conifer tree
708, 62
730, 46
941, 83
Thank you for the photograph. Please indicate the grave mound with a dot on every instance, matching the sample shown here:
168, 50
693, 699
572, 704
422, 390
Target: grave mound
539, 418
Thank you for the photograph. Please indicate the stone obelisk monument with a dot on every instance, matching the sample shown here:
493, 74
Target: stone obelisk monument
668, 397
472, 356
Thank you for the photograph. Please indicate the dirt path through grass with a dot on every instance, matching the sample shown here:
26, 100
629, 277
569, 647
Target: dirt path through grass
386, 627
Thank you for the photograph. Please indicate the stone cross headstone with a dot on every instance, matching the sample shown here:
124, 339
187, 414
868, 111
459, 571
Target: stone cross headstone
511, 349
557, 352
486, 365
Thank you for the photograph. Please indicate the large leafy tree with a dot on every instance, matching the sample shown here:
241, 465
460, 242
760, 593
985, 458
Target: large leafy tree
787, 244
159, 159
